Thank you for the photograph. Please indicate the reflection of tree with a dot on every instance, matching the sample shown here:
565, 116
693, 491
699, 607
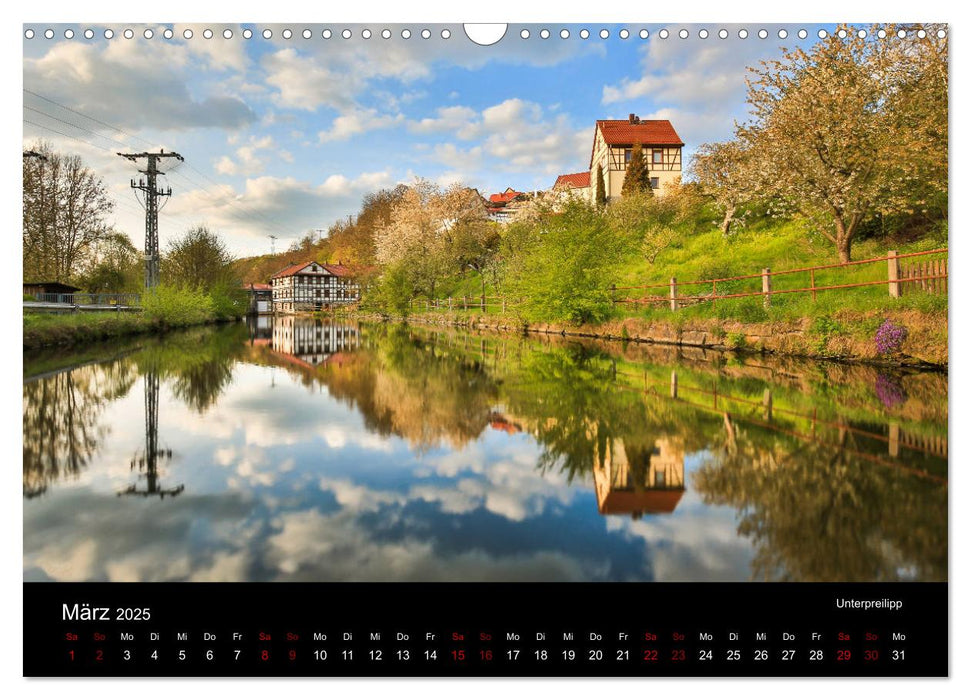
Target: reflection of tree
817, 512
198, 363
570, 398
61, 412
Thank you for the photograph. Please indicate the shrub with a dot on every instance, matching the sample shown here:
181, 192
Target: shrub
167, 305
890, 337
736, 341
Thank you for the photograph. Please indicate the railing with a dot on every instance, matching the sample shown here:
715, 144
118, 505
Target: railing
85, 299
929, 276
479, 302
921, 276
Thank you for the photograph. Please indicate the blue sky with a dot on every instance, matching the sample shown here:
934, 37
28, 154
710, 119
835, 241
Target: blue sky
282, 136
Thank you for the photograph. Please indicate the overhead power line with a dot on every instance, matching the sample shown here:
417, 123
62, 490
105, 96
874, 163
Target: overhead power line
221, 197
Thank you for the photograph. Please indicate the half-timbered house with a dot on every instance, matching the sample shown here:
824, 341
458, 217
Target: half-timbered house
613, 144
312, 286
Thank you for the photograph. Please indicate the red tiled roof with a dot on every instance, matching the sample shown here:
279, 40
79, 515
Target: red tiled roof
647, 132
573, 180
507, 196
258, 287
338, 270
629, 502
291, 269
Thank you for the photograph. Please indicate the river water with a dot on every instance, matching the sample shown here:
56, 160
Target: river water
301, 449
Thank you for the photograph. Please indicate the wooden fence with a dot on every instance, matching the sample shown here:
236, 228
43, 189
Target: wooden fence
929, 276
909, 277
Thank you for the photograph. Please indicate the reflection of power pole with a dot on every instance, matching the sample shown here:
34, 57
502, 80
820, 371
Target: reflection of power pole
272, 244
149, 460
152, 193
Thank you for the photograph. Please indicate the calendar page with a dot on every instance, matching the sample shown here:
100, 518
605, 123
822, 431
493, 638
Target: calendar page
588, 349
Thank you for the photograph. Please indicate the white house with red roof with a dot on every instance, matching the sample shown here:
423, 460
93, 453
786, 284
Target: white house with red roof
613, 143
574, 185
312, 286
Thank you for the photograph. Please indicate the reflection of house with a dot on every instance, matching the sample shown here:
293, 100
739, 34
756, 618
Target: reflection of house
260, 298
613, 142
312, 342
499, 421
311, 286
638, 479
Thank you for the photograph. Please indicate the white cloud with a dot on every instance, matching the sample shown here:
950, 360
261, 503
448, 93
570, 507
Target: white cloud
358, 121
121, 83
700, 90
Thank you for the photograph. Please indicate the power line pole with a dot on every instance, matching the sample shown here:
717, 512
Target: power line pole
152, 193
272, 244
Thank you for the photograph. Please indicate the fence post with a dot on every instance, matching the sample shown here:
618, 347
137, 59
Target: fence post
465, 303
504, 305
674, 294
674, 384
482, 303
812, 282
766, 287
767, 404
450, 303
893, 273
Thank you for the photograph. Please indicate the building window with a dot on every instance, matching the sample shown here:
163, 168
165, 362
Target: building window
627, 154
657, 156
654, 183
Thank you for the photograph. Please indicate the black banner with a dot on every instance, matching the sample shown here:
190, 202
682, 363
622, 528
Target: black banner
504, 629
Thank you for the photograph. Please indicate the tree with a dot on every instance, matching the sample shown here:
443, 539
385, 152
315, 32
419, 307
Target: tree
434, 233
721, 171
114, 265
637, 178
601, 188
833, 137
65, 210
199, 260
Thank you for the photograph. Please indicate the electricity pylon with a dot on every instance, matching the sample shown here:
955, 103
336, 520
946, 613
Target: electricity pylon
152, 193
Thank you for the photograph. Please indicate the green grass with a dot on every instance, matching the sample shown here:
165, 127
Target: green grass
778, 246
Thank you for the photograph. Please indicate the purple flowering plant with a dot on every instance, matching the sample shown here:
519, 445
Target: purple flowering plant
890, 391
890, 337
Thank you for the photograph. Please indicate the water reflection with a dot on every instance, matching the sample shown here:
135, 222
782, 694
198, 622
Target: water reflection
319, 450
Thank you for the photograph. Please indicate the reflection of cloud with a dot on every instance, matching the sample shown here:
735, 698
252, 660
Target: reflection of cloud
107, 538
316, 547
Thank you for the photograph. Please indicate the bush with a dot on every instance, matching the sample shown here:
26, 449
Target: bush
890, 337
391, 293
168, 305
563, 275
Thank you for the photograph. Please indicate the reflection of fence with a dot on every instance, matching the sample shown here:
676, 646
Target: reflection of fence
929, 275
716, 401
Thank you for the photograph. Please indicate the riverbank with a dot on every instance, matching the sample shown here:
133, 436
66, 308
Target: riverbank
43, 330
847, 336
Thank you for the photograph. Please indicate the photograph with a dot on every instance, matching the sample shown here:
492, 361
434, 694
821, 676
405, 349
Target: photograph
395, 303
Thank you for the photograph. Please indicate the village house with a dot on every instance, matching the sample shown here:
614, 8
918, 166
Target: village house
260, 298
573, 185
613, 143
311, 286
501, 206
